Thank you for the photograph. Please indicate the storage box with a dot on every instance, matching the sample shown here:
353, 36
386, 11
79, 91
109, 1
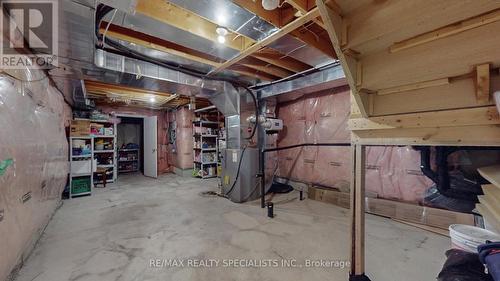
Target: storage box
337, 198
418, 214
80, 185
81, 167
80, 128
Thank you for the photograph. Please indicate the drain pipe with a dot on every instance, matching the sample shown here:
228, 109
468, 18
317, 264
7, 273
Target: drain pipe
262, 158
442, 177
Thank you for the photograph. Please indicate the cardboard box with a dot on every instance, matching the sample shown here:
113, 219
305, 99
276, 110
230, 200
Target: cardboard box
417, 214
80, 128
337, 198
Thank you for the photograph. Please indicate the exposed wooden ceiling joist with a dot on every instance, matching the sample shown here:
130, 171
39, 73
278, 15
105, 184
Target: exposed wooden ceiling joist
188, 21
100, 86
243, 69
145, 40
273, 57
276, 18
266, 67
148, 41
270, 39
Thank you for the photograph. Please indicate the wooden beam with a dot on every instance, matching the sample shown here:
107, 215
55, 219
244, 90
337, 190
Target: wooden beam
482, 83
265, 67
95, 85
334, 24
186, 20
357, 230
148, 41
273, 57
414, 86
269, 39
448, 30
245, 70
435, 119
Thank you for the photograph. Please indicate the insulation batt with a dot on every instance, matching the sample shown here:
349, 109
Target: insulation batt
391, 172
33, 116
184, 138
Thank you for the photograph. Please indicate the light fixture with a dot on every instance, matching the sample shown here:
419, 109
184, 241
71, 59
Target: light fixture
221, 32
221, 39
270, 4
152, 99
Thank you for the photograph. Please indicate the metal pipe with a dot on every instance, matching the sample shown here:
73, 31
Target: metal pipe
263, 157
206, 108
305, 144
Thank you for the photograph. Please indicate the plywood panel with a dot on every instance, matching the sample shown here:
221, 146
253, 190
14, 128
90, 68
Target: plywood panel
459, 94
377, 25
451, 56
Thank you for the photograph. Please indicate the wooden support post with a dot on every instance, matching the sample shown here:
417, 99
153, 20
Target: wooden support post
358, 213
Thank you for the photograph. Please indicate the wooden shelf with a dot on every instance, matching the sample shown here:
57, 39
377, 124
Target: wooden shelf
491, 173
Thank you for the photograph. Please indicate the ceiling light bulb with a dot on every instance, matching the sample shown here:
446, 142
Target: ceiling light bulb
222, 31
221, 39
152, 99
270, 4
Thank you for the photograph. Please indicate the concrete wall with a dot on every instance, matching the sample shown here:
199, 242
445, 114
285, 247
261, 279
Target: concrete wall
34, 154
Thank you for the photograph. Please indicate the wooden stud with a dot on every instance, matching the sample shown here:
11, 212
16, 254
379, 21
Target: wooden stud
448, 30
359, 76
343, 37
434, 119
148, 41
414, 86
358, 210
275, 58
483, 83
265, 67
333, 22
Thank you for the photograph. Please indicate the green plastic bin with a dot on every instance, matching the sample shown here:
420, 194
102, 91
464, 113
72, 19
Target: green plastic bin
80, 185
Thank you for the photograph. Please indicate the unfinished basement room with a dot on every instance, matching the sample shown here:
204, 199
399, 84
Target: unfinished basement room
250, 140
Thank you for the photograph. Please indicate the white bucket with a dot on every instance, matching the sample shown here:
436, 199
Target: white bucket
468, 238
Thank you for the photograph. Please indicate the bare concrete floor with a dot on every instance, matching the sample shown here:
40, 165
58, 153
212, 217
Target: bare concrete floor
115, 233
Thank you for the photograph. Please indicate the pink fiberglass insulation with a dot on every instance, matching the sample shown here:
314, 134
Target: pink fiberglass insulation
392, 172
33, 162
162, 137
184, 138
